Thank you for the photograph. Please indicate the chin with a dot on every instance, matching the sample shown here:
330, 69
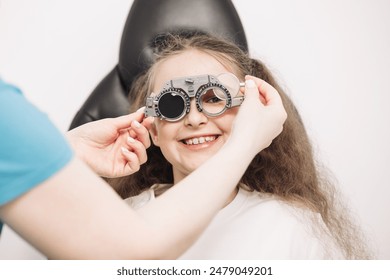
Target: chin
195, 163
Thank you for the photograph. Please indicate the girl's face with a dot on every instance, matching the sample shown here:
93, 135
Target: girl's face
187, 143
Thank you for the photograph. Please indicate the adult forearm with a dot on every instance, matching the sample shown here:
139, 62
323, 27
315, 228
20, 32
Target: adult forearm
184, 211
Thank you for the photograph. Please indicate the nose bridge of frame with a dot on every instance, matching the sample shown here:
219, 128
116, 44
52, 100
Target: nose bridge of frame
190, 85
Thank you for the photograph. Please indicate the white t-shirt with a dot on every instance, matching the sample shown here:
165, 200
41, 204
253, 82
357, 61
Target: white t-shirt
258, 226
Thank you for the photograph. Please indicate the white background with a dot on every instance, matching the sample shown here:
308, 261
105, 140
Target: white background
333, 58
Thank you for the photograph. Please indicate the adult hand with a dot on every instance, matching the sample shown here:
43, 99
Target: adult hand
261, 116
113, 147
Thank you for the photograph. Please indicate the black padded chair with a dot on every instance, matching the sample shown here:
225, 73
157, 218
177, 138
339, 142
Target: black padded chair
146, 20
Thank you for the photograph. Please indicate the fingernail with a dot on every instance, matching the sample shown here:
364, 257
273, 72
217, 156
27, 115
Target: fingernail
130, 139
250, 83
124, 150
136, 124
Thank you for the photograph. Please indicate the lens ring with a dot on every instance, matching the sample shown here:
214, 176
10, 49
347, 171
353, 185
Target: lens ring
172, 104
203, 89
231, 82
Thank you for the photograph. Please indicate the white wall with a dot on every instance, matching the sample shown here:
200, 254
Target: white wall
331, 56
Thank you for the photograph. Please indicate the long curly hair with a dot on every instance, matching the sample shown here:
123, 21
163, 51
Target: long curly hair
286, 169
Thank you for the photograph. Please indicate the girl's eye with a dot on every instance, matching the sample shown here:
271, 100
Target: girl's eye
213, 100
211, 97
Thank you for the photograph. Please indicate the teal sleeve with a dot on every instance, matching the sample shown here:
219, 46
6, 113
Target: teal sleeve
31, 147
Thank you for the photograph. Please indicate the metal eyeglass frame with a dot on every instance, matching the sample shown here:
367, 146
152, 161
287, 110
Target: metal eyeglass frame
192, 87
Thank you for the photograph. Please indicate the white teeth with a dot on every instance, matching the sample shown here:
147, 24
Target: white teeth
200, 140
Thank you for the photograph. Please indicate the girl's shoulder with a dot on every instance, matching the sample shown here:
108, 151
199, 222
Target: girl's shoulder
291, 223
278, 210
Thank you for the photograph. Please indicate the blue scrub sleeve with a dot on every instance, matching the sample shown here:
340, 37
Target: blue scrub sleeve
31, 147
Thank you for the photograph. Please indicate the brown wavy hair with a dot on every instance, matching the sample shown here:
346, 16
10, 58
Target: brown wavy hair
286, 169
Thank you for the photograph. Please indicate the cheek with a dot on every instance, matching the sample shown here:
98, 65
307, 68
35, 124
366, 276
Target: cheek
165, 132
227, 119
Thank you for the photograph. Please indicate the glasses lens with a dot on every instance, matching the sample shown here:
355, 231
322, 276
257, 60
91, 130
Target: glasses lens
213, 100
231, 82
171, 105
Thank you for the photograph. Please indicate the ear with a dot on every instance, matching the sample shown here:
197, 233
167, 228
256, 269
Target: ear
154, 134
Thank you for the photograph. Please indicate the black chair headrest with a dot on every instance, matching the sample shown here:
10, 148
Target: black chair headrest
148, 19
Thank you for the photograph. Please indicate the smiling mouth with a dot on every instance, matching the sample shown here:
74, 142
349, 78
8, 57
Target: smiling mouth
199, 140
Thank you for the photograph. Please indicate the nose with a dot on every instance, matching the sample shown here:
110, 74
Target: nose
195, 118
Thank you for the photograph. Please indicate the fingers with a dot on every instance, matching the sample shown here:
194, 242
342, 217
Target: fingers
148, 122
140, 132
123, 122
132, 122
133, 155
138, 149
133, 164
268, 94
272, 98
251, 91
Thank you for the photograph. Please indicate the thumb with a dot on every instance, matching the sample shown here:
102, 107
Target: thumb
251, 91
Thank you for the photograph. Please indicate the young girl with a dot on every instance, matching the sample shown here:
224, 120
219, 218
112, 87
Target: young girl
282, 208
